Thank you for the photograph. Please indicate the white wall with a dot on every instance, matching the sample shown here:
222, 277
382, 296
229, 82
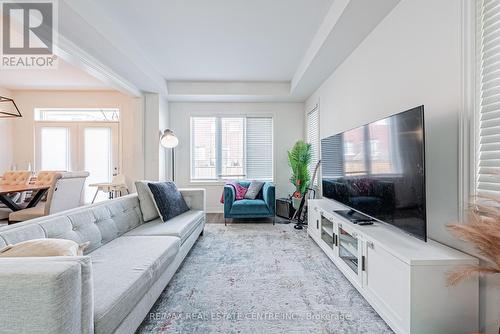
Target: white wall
156, 121
288, 128
6, 137
131, 124
164, 154
412, 58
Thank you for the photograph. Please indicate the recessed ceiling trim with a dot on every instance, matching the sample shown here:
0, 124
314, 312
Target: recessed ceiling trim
229, 91
74, 55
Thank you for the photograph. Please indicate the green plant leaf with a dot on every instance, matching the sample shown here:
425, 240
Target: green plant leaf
299, 159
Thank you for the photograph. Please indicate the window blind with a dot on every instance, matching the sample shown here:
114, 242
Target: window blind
313, 138
332, 149
203, 148
259, 148
232, 141
225, 148
488, 38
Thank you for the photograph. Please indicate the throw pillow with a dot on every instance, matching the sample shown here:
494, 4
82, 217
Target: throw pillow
254, 189
168, 200
146, 201
239, 191
44, 247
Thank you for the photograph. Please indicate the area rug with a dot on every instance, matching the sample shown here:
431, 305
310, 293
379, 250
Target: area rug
260, 278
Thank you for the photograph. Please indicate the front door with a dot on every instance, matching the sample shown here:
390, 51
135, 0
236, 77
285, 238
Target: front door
78, 146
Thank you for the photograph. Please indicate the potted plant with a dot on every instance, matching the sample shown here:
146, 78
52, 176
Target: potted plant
482, 230
299, 159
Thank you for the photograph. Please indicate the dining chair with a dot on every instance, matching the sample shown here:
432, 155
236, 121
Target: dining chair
46, 178
12, 178
65, 193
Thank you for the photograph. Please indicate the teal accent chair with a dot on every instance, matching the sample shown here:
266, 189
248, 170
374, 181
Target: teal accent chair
263, 206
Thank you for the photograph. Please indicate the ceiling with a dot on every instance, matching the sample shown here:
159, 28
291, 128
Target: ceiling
220, 40
65, 77
204, 50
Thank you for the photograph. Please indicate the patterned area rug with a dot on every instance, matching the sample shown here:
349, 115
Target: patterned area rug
260, 278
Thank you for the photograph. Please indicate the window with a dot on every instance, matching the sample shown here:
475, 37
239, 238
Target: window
203, 155
233, 143
259, 148
54, 148
77, 115
488, 159
313, 138
231, 148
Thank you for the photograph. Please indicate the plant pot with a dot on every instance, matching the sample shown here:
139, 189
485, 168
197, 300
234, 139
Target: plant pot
296, 202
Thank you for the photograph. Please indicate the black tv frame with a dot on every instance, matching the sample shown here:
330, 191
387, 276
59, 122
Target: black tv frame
424, 192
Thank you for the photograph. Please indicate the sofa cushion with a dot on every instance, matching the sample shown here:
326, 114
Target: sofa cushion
124, 270
250, 206
168, 200
14, 234
181, 226
148, 207
44, 247
98, 224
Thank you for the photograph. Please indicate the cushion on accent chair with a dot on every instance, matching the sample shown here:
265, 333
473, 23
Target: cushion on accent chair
44, 247
168, 200
240, 191
254, 189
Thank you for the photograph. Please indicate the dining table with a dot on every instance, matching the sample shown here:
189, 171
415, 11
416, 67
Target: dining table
7, 190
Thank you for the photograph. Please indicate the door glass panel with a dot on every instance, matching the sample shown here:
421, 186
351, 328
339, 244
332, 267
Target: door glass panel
348, 249
97, 160
54, 145
327, 231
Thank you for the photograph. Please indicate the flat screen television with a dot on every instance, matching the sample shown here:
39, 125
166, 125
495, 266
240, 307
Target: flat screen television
378, 171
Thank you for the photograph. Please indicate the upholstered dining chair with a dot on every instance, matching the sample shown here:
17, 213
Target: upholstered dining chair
65, 193
13, 178
46, 178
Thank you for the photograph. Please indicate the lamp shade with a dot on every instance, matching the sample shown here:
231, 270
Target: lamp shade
8, 108
168, 139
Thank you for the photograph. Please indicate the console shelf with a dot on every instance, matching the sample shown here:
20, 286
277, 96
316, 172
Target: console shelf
402, 277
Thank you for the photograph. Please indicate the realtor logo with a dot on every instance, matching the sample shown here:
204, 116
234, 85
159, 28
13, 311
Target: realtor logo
28, 31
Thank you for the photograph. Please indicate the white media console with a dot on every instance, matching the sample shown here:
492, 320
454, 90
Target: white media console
403, 278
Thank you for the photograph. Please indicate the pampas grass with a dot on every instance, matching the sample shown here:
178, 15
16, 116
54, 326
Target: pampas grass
483, 231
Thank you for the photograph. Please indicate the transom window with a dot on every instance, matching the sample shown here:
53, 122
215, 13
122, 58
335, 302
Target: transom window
77, 115
231, 148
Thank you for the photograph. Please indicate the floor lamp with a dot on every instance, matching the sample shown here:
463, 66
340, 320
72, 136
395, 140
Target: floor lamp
169, 140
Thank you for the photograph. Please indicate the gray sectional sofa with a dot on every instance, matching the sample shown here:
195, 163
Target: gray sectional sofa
113, 286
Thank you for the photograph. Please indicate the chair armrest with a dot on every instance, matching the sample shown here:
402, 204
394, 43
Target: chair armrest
229, 198
269, 194
46, 295
195, 198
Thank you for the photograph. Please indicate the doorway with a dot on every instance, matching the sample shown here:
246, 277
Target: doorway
79, 145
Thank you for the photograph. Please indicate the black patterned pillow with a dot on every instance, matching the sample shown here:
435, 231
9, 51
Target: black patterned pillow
168, 200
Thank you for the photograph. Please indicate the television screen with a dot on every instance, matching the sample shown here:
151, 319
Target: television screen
379, 170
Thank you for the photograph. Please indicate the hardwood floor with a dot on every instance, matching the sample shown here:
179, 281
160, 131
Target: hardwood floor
218, 218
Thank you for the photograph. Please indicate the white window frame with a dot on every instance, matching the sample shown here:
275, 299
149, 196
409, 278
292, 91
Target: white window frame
40, 111
317, 110
218, 117
469, 108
